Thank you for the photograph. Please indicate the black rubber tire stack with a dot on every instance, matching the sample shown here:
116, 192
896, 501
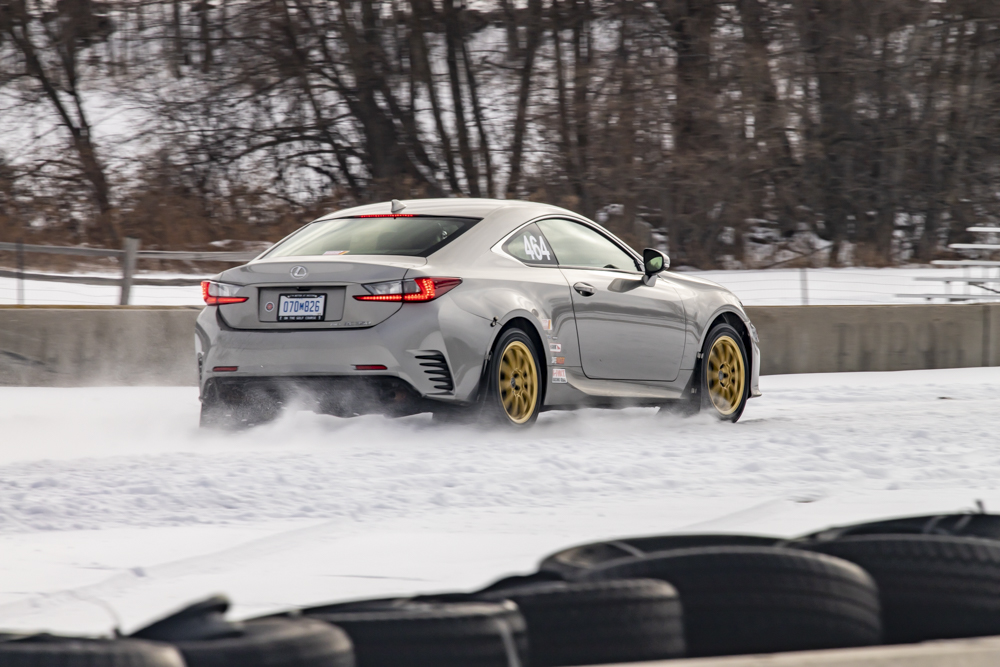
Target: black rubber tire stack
206, 639
932, 586
273, 643
570, 562
403, 633
52, 651
761, 599
599, 622
958, 525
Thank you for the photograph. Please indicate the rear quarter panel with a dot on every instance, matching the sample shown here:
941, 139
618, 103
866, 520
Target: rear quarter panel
499, 289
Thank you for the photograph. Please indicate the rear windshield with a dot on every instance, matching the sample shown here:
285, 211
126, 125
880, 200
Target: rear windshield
416, 236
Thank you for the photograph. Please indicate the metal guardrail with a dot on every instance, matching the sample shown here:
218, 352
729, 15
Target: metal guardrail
127, 258
982, 283
964, 262
197, 256
974, 246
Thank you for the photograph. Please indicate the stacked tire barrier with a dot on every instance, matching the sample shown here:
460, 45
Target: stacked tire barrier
899, 581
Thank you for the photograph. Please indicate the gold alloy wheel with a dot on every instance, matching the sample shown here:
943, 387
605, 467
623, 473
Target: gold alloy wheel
725, 375
518, 382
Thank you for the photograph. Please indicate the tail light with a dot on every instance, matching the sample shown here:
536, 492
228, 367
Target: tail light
219, 294
417, 290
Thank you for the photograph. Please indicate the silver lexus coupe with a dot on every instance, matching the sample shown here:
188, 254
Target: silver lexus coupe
469, 309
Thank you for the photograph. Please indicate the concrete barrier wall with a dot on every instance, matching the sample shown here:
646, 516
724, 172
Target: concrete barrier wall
831, 339
983, 652
85, 346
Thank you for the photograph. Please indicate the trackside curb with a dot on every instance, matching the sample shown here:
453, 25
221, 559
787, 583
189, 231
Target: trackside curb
983, 652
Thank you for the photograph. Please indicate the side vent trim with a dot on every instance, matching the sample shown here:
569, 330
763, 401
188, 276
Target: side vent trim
436, 368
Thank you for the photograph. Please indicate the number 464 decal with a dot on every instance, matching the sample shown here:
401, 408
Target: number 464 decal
535, 248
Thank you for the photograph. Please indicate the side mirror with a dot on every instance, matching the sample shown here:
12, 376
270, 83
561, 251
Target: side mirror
653, 262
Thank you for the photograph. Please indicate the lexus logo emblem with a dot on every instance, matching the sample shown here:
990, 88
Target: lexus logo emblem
299, 272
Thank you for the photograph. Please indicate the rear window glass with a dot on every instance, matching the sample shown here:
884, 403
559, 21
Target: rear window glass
417, 236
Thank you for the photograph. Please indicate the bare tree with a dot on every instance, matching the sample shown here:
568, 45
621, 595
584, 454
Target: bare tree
50, 47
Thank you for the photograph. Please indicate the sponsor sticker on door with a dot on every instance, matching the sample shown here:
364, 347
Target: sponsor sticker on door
555, 347
559, 376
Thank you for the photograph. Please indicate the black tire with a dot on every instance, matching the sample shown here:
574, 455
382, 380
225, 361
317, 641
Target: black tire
986, 526
493, 399
932, 587
709, 377
273, 643
762, 599
402, 633
599, 622
569, 562
49, 651
201, 633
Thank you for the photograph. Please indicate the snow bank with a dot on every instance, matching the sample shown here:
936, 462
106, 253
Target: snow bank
112, 498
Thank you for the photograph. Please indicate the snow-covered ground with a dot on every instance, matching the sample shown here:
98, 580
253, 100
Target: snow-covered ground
775, 287
114, 508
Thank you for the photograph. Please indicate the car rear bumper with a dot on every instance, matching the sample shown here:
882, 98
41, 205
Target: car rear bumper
410, 345
343, 396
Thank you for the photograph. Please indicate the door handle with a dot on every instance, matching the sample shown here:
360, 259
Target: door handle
585, 289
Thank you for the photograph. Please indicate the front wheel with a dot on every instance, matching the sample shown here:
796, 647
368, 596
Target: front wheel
514, 380
724, 373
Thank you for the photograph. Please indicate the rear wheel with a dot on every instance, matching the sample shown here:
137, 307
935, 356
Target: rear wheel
514, 380
725, 385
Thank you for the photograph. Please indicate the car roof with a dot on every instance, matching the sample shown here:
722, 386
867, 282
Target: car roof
455, 206
472, 208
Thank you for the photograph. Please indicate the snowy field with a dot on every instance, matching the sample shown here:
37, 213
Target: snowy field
775, 287
114, 508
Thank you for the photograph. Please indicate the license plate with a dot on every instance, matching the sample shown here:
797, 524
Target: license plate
301, 307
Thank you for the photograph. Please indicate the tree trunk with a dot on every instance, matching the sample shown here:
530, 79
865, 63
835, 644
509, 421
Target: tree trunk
524, 91
178, 57
453, 39
827, 35
423, 12
581, 12
696, 133
769, 118
477, 110
75, 120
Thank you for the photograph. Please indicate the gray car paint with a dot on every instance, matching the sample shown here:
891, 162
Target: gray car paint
464, 323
